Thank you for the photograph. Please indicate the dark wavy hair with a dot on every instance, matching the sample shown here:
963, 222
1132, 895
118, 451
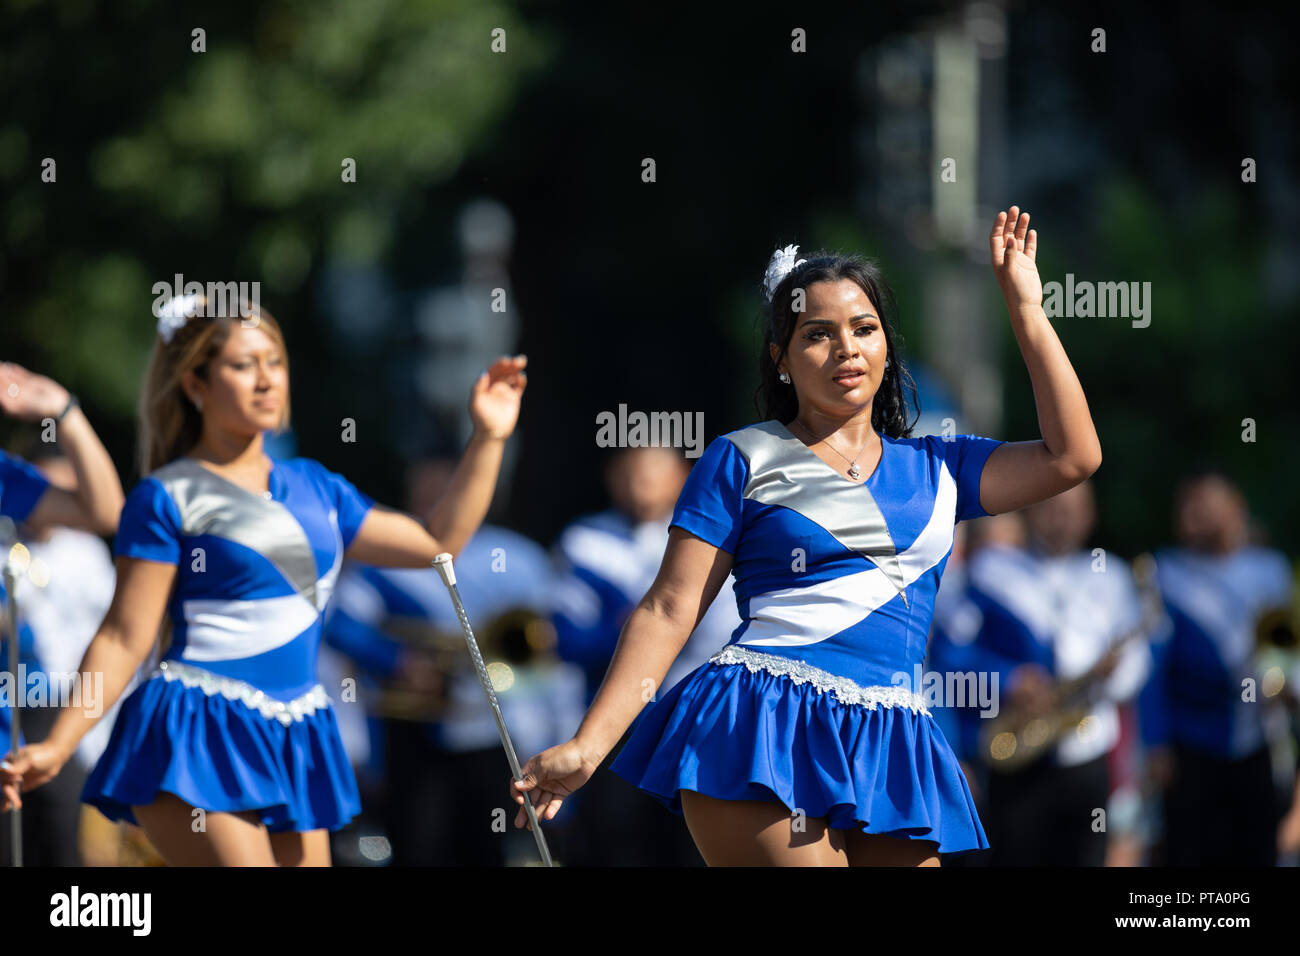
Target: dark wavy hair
775, 399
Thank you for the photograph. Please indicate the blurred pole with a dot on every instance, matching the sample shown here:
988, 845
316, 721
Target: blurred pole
937, 96
967, 104
463, 328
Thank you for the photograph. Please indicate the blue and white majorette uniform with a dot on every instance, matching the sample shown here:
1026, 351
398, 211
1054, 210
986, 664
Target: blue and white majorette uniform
233, 719
21, 487
814, 700
607, 561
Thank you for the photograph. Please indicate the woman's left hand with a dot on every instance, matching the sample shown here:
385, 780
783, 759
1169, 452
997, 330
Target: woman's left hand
494, 400
29, 396
1014, 247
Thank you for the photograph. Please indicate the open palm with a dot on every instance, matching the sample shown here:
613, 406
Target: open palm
29, 396
495, 398
1014, 248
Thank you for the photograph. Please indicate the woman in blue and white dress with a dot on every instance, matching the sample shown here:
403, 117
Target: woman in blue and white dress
230, 753
806, 741
26, 496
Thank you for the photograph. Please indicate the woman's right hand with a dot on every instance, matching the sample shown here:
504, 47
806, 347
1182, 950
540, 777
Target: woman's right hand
28, 768
551, 776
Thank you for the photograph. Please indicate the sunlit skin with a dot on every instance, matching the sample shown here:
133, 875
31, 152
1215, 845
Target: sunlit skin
242, 394
845, 336
836, 361
94, 501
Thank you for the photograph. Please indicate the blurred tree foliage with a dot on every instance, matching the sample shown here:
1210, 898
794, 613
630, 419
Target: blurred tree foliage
224, 165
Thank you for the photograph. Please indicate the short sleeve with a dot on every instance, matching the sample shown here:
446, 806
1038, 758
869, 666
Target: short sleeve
965, 456
710, 502
350, 504
21, 487
150, 526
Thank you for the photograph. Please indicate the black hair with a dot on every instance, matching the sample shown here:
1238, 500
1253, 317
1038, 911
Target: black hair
777, 400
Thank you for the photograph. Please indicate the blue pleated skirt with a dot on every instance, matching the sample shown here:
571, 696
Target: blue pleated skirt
732, 733
223, 755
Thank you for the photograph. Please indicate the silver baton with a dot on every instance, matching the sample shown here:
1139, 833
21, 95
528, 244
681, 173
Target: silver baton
443, 563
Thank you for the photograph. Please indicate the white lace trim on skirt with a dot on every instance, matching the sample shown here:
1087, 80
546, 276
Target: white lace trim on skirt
801, 672
285, 711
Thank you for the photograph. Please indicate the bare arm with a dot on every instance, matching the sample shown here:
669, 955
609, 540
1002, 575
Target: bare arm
1022, 473
692, 573
123, 640
689, 579
97, 503
393, 539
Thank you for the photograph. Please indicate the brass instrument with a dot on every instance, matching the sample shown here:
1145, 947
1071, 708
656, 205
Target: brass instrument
1015, 739
517, 637
1277, 655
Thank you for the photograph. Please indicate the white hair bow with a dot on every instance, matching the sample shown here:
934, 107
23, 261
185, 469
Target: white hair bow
174, 314
782, 264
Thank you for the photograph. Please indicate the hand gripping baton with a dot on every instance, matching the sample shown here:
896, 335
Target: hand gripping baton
443, 563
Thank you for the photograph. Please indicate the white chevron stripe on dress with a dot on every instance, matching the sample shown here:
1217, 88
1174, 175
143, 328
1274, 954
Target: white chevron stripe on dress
795, 617
222, 630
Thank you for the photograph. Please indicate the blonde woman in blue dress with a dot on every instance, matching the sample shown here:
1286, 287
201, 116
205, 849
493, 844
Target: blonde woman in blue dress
797, 744
230, 754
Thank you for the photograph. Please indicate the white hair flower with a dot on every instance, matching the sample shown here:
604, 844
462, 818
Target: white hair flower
782, 264
174, 314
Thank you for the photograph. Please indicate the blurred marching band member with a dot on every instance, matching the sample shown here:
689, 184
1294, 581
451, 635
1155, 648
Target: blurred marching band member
442, 789
63, 597
795, 727
1050, 613
1208, 738
607, 561
956, 625
229, 754
42, 507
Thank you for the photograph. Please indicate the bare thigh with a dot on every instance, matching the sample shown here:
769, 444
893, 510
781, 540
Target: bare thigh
309, 848
764, 833
873, 849
226, 839
759, 833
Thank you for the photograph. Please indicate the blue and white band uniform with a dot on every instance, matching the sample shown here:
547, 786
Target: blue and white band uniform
234, 719
1196, 696
812, 702
1063, 613
21, 487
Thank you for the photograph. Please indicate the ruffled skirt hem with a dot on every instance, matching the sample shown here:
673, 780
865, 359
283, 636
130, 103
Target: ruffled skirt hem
224, 756
736, 733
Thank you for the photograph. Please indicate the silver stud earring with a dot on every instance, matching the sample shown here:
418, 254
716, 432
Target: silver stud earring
198, 404
785, 377
886, 363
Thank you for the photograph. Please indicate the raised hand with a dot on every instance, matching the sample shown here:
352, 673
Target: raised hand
29, 396
495, 398
1014, 247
